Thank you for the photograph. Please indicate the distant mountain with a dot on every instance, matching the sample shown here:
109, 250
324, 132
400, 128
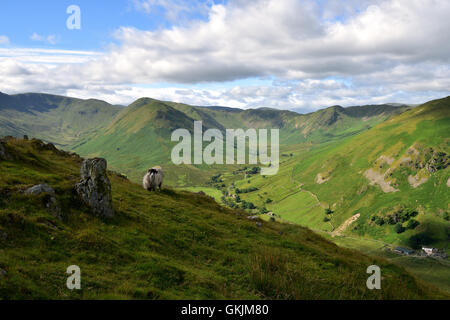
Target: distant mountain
61, 120
389, 107
135, 137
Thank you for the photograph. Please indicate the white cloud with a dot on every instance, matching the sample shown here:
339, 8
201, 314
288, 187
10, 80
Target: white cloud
45, 56
50, 39
4, 40
286, 39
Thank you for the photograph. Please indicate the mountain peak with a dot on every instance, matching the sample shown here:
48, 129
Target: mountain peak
142, 101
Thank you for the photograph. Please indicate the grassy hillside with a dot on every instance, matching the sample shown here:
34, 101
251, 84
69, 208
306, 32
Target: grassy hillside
392, 174
60, 120
167, 245
139, 136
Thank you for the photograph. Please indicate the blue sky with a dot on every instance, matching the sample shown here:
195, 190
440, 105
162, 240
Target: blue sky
19, 19
289, 54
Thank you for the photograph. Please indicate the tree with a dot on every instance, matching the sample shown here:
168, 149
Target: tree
247, 205
412, 224
379, 221
251, 205
417, 240
263, 210
399, 228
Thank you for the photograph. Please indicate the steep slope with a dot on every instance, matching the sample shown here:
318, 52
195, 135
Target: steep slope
139, 137
394, 175
61, 120
320, 126
336, 122
167, 245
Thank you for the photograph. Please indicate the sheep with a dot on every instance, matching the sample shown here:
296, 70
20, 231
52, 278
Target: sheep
153, 179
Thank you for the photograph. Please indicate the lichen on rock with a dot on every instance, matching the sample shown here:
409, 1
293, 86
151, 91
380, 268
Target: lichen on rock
94, 188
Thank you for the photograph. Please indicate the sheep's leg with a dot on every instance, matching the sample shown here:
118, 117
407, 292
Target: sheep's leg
160, 186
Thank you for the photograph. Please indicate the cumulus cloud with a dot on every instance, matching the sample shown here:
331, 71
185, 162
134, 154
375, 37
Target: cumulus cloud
50, 39
335, 53
286, 39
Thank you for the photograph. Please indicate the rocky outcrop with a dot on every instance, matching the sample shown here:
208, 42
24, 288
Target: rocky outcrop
4, 154
39, 189
378, 178
438, 161
50, 201
94, 188
417, 180
322, 178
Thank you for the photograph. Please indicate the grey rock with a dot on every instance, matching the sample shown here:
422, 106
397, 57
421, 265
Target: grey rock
39, 189
253, 217
3, 273
259, 224
50, 201
4, 155
94, 188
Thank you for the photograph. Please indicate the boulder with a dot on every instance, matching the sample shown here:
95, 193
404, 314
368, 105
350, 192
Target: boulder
39, 189
94, 188
50, 202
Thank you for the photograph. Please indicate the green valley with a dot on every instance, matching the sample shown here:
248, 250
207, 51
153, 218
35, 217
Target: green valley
369, 178
165, 245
